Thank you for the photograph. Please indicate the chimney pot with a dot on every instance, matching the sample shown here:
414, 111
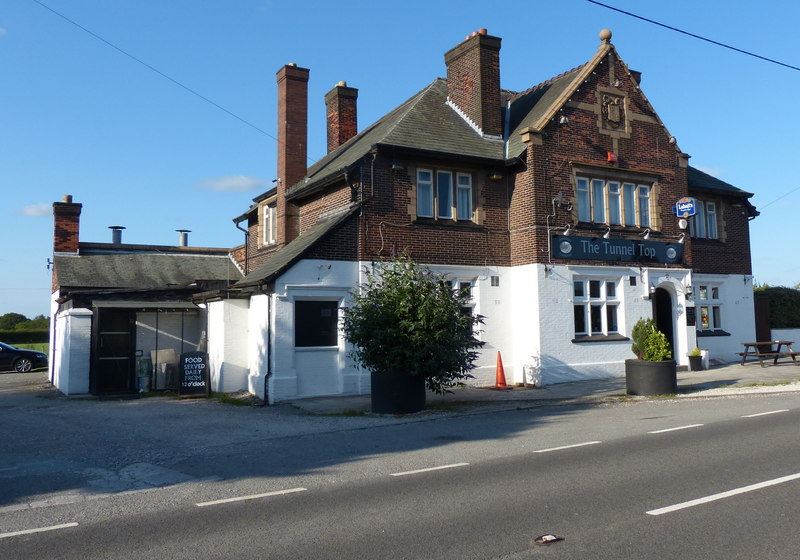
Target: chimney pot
66, 198
482, 31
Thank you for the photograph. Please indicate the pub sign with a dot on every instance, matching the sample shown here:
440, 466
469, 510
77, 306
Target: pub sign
622, 250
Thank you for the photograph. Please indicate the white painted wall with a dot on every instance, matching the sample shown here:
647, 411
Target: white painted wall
307, 372
228, 345
792, 335
738, 315
71, 358
260, 327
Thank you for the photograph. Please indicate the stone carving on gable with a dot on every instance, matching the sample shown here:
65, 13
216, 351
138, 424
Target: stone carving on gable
613, 111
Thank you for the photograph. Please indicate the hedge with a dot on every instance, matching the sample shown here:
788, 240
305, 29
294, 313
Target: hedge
25, 337
784, 306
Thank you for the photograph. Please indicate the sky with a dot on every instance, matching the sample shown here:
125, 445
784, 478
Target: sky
167, 121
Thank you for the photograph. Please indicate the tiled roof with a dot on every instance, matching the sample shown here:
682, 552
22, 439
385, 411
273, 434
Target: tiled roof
424, 122
292, 252
700, 180
143, 271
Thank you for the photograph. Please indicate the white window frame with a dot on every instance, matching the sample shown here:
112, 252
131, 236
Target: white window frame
270, 226
596, 301
614, 202
435, 199
704, 225
709, 307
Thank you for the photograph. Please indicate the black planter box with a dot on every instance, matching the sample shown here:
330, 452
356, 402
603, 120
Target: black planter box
695, 363
651, 378
397, 393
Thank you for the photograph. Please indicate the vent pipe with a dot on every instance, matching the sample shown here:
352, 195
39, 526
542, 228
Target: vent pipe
116, 234
183, 237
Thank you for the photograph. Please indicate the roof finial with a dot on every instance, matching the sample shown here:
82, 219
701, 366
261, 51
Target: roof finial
605, 35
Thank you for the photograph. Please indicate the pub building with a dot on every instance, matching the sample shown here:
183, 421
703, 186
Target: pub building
567, 210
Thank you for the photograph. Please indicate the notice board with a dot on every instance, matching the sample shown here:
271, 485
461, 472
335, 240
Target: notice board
193, 379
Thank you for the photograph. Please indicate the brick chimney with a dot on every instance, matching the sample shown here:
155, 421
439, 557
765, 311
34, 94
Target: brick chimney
473, 81
67, 217
340, 105
292, 144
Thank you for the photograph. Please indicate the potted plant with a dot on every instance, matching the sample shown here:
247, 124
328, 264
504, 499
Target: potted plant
653, 372
407, 326
695, 360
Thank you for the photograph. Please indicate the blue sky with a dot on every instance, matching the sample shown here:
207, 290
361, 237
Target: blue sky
79, 117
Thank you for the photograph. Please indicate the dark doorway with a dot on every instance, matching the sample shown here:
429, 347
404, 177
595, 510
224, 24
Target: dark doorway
662, 315
112, 370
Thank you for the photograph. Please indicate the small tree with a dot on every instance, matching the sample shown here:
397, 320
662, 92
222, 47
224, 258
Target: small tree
649, 343
406, 319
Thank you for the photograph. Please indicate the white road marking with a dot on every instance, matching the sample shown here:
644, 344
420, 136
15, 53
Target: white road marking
454, 465
548, 450
251, 497
38, 530
765, 413
675, 429
721, 495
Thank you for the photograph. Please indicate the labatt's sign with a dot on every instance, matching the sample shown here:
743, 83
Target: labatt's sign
686, 207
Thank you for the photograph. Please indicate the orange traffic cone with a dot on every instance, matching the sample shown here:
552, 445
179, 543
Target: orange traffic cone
500, 375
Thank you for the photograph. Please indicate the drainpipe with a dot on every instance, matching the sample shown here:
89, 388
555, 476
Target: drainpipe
246, 246
269, 352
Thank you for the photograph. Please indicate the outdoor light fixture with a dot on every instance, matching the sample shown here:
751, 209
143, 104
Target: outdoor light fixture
646, 234
652, 290
681, 238
688, 292
563, 120
397, 166
607, 234
495, 176
567, 229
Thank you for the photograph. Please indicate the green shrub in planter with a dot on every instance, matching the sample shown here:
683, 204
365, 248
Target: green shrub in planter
649, 343
406, 319
654, 372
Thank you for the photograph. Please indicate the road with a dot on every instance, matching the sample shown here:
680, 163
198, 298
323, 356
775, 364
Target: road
704, 478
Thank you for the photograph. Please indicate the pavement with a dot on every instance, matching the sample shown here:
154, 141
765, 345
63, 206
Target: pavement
719, 380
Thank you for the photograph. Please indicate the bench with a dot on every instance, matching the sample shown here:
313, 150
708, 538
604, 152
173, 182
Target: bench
761, 356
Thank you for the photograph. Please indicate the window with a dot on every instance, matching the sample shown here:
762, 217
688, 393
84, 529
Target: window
704, 223
595, 307
710, 317
603, 201
439, 197
270, 227
316, 323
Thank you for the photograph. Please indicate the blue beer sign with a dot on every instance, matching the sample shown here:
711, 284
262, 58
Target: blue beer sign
685, 207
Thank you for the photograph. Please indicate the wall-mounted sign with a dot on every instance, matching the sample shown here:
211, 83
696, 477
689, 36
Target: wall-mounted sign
623, 250
685, 207
193, 380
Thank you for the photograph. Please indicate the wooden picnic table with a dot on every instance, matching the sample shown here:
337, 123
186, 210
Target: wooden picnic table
763, 350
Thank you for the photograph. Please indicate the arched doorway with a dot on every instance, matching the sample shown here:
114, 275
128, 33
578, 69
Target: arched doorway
663, 316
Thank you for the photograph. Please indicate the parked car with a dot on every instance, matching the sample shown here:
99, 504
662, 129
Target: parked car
20, 360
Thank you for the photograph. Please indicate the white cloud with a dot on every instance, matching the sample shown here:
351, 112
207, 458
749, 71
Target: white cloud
37, 210
232, 183
713, 171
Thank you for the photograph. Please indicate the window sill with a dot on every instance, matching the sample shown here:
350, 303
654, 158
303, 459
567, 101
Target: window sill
600, 338
450, 224
712, 332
